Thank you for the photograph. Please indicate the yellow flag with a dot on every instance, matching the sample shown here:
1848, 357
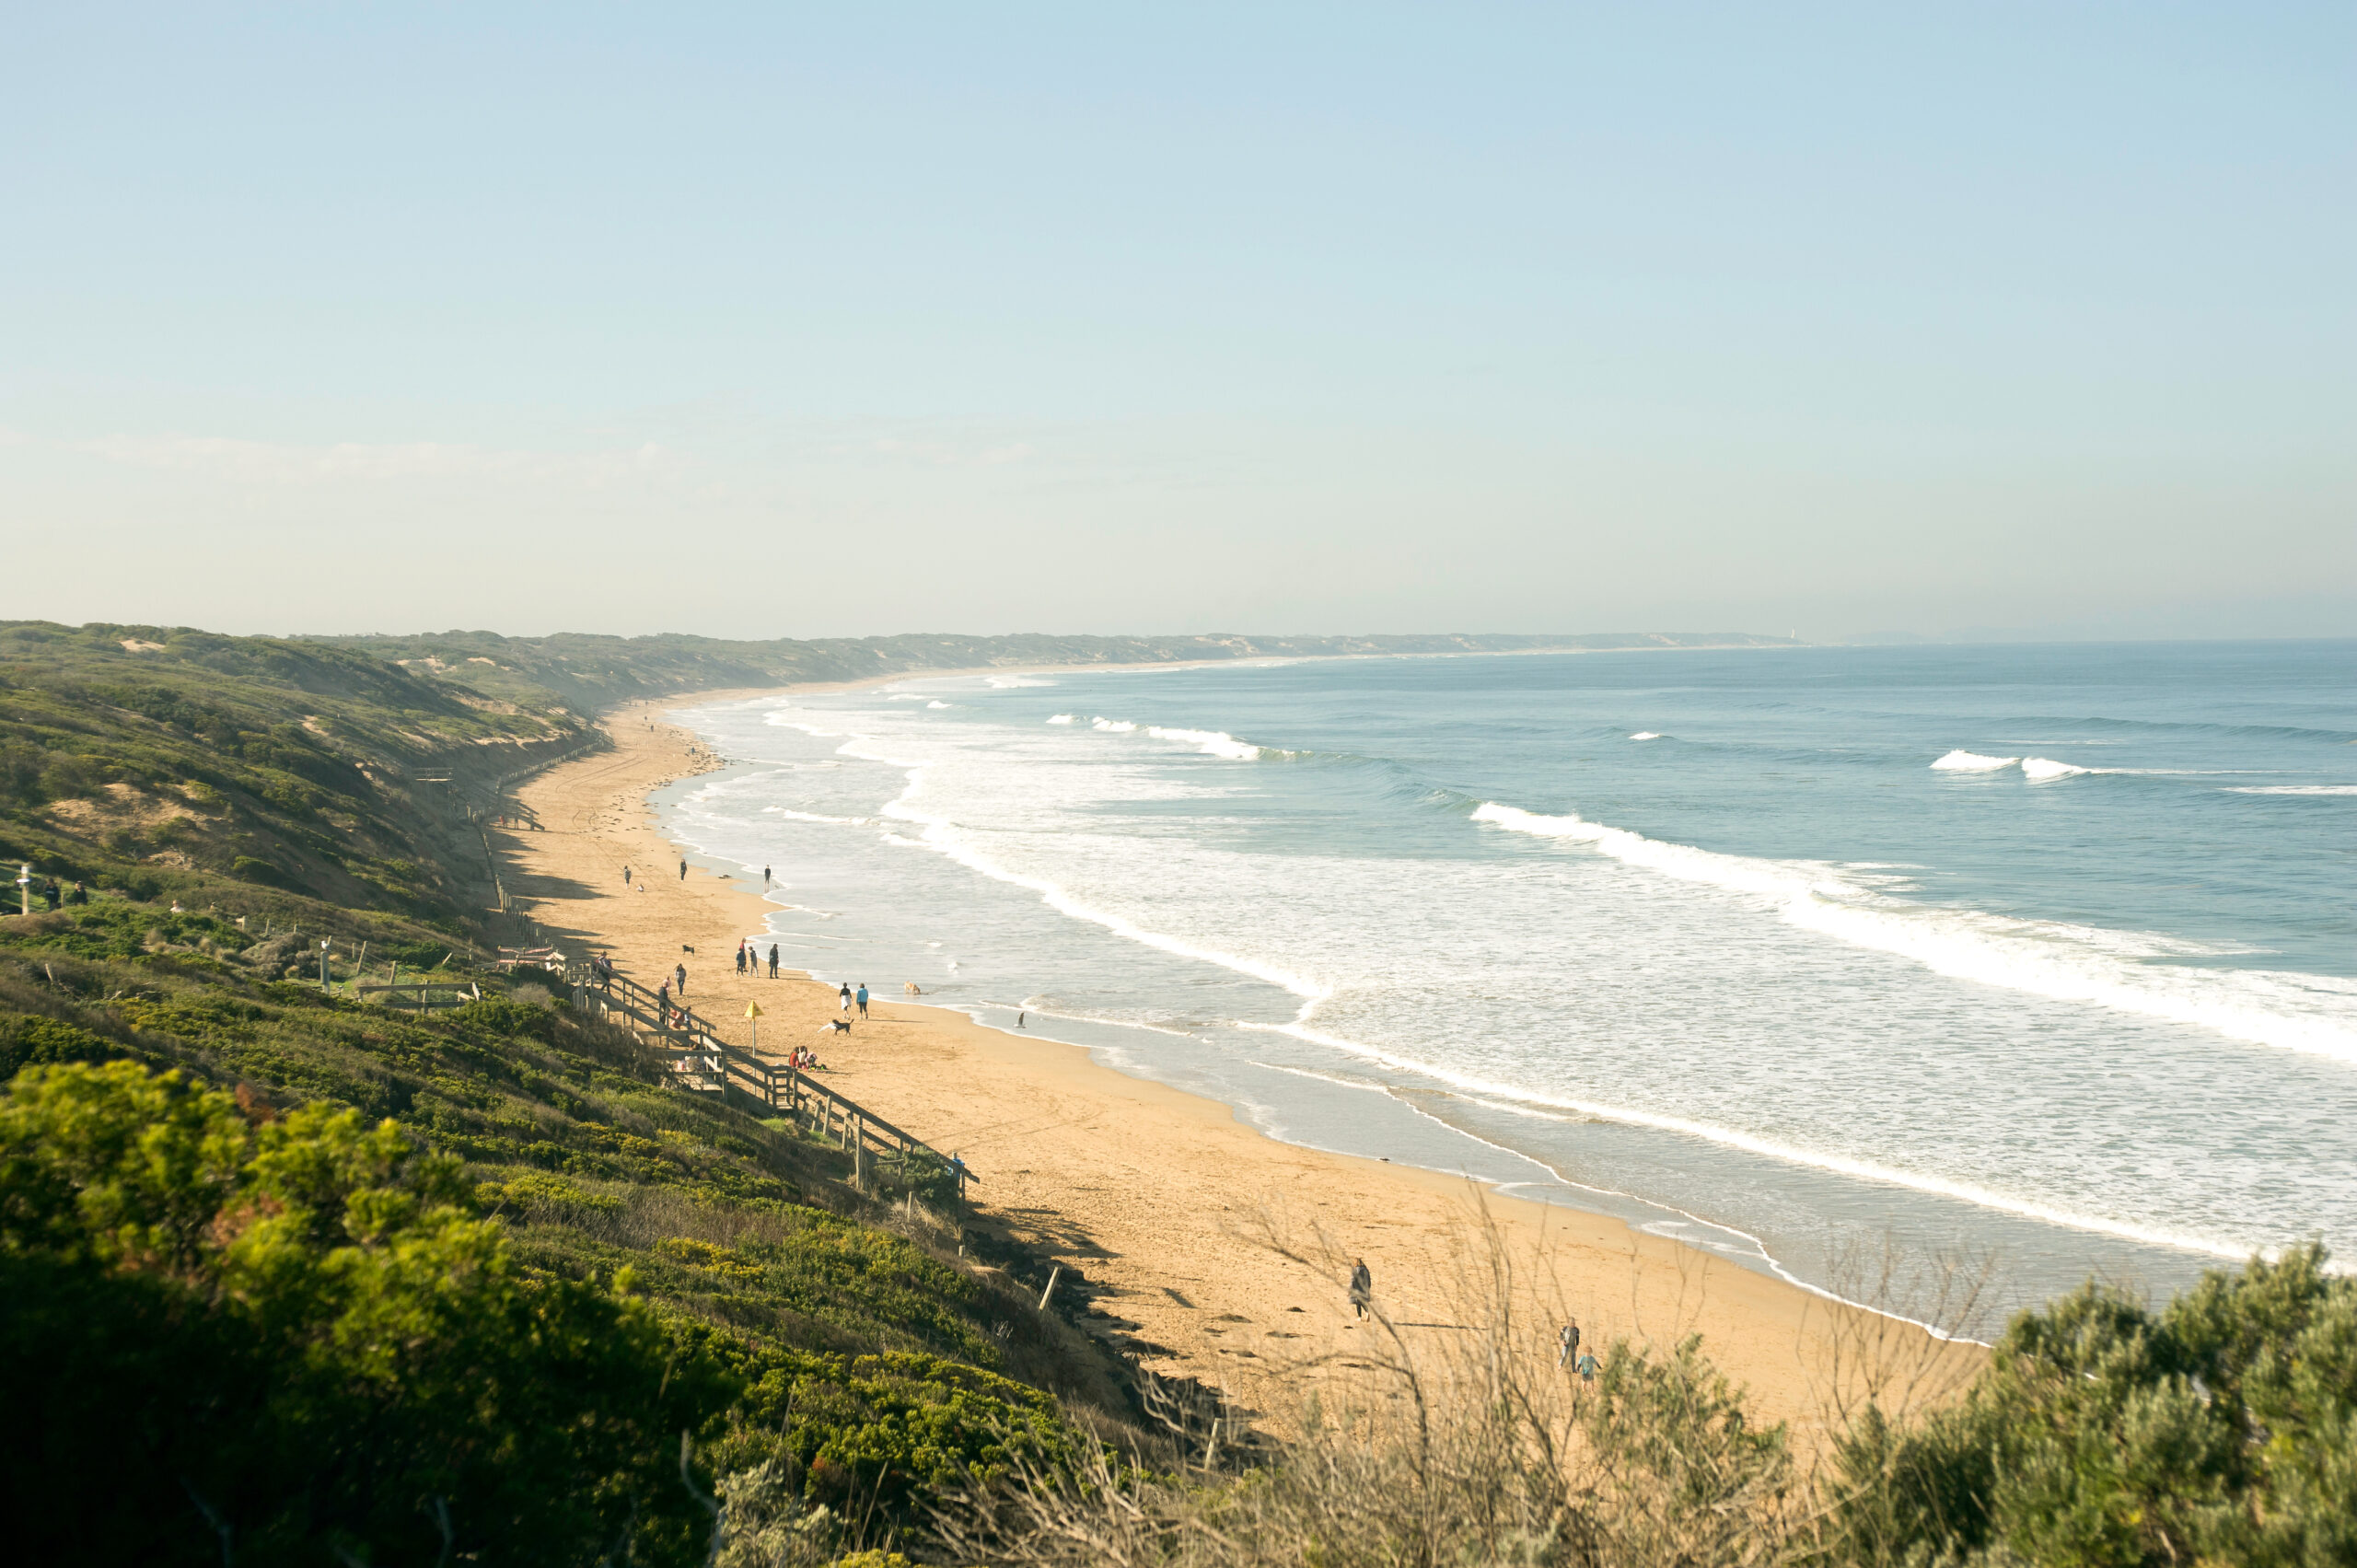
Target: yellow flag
752, 1009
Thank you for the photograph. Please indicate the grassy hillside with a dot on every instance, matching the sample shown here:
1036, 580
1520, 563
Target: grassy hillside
734, 1289
287, 1276
178, 763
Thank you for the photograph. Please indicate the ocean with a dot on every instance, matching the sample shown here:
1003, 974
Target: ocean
1855, 965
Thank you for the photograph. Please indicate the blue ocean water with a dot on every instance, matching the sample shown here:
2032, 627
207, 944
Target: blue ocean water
2045, 955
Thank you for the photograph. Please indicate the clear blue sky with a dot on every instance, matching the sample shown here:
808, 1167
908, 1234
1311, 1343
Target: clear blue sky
790, 320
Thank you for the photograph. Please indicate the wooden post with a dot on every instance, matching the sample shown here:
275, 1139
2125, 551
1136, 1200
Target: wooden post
1053, 1275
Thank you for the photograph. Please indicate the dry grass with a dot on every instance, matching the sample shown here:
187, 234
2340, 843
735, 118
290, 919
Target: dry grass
1469, 1444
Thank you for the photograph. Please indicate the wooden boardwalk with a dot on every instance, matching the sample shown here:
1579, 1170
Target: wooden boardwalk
691, 1057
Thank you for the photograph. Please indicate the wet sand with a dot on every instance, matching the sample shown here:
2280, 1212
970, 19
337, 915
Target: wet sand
1164, 1199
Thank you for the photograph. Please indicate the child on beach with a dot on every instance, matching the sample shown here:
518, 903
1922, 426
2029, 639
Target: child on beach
1587, 1367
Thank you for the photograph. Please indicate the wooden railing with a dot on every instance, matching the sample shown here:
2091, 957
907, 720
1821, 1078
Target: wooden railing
424, 995
692, 1057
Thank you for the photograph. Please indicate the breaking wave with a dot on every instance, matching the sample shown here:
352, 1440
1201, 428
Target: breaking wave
2312, 1014
792, 815
1210, 742
1962, 761
2292, 789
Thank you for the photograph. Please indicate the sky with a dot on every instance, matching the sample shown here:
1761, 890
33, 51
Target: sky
797, 321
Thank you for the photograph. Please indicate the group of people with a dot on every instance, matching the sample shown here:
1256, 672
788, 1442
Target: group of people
675, 1015
749, 958
55, 896
854, 998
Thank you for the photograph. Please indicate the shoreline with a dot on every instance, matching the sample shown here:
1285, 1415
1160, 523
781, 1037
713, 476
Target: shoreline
1165, 1199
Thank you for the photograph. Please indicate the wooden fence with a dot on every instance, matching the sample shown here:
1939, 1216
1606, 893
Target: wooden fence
425, 995
692, 1057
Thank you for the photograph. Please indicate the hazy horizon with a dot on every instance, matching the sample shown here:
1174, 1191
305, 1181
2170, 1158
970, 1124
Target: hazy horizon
1835, 324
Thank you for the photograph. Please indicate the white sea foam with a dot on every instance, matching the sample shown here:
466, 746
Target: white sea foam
1644, 735
1962, 761
2293, 789
940, 835
937, 704
2041, 769
1112, 726
1210, 742
2315, 1014
819, 817
906, 697
1063, 718
1010, 682
1727, 1137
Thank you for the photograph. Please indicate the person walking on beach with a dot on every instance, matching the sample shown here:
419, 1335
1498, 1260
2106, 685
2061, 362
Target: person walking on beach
1568, 1337
1362, 1287
845, 994
683, 871
1587, 1367
740, 959
773, 960
861, 997
681, 971
765, 879
625, 876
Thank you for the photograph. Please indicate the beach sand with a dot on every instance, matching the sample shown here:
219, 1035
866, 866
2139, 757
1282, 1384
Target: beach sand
1164, 1199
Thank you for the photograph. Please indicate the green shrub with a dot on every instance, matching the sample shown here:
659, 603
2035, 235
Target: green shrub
2221, 1429
298, 1338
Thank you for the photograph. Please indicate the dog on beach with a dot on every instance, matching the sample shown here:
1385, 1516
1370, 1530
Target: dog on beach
911, 989
685, 948
841, 1026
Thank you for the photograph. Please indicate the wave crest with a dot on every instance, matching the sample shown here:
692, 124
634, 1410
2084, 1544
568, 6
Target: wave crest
2292, 789
1210, 742
2312, 1014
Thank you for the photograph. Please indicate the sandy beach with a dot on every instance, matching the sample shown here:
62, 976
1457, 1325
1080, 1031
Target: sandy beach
1164, 1200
